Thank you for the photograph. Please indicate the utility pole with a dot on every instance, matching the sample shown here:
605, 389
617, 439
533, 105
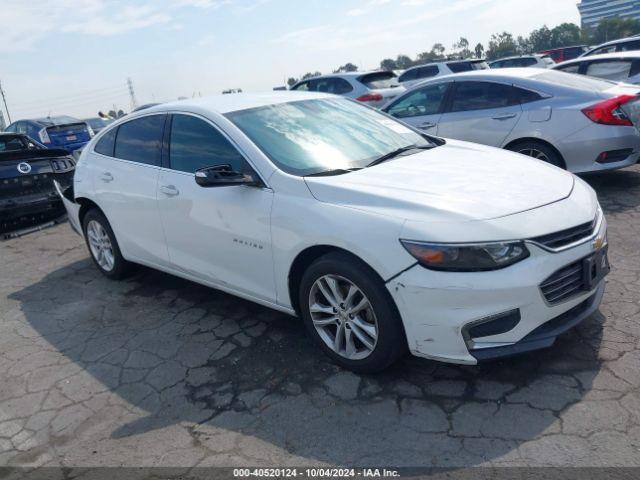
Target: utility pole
5, 103
132, 94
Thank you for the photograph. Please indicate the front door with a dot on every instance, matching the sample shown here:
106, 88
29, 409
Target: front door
218, 234
480, 112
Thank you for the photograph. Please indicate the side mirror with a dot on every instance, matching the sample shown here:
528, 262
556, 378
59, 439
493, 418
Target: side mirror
223, 176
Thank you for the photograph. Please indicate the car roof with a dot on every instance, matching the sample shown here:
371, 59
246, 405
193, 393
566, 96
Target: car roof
57, 120
236, 101
446, 62
603, 56
345, 75
514, 57
615, 42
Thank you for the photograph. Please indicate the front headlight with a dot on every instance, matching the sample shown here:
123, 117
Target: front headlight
466, 258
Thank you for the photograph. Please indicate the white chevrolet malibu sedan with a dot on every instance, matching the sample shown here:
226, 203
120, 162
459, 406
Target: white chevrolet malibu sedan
380, 238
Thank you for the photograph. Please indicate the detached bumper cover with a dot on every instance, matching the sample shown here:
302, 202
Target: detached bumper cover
23, 212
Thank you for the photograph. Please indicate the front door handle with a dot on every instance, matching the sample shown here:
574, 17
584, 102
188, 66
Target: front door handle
107, 177
506, 116
426, 125
169, 190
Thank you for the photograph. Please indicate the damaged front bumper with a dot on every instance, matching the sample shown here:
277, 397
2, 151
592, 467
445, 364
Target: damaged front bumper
438, 309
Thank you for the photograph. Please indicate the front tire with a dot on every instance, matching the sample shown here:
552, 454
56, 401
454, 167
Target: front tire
350, 314
539, 151
103, 246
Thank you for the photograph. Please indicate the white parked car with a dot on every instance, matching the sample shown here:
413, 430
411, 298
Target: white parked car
419, 73
380, 238
628, 44
579, 123
617, 67
524, 61
375, 89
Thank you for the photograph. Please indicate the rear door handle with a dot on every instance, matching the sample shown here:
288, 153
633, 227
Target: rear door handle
169, 190
107, 177
426, 125
506, 116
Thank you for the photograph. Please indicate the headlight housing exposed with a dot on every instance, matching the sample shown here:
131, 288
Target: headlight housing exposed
468, 257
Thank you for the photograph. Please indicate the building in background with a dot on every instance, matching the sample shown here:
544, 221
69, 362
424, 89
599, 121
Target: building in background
593, 11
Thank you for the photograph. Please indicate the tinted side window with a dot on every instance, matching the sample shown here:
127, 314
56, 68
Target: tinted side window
522, 95
408, 75
601, 50
107, 143
526, 62
470, 96
303, 87
140, 140
573, 68
340, 86
427, 72
195, 144
629, 46
424, 101
458, 67
21, 127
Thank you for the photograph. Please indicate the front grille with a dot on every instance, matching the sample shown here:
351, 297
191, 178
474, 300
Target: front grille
565, 283
32, 184
567, 237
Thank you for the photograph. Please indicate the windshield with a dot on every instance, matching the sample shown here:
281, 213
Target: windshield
313, 136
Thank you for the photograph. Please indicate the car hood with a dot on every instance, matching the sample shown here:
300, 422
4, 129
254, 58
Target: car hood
458, 181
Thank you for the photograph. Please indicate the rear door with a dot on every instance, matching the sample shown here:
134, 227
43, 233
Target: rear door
219, 234
481, 112
422, 108
125, 165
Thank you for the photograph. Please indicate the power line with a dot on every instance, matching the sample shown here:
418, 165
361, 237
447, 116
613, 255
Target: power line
65, 98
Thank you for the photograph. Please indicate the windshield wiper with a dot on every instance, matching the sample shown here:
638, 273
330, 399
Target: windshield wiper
398, 152
337, 171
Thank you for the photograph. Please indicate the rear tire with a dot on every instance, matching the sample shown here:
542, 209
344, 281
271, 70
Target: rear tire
350, 314
539, 151
103, 246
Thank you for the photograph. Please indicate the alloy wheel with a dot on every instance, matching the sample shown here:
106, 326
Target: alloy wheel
343, 317
100, 245
535, 153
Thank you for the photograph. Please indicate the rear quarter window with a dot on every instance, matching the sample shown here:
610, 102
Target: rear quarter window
457, 67
106, 144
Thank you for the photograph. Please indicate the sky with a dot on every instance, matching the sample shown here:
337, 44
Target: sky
74, 56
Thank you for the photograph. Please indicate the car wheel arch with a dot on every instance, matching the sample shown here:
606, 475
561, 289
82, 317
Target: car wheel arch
515, 142
305, 258
86, 205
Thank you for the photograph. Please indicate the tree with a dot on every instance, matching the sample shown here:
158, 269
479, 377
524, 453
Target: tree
565, 34
403, 62
614, 28
310, 75
347, 67
540, 39
388, 64
479, 50
501, 45
291, 81
461, 48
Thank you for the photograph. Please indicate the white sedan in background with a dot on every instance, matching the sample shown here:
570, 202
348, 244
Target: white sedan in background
578, 123
617, 67
380, 238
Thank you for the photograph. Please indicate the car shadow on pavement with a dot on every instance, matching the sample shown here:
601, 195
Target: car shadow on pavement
227, 369
617, 189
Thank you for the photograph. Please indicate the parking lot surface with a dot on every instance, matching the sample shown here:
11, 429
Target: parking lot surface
159, 371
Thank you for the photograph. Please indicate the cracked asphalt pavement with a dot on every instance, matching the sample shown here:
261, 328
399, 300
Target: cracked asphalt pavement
159, 371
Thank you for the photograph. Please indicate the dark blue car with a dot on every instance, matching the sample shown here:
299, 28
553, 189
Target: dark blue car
55, 132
